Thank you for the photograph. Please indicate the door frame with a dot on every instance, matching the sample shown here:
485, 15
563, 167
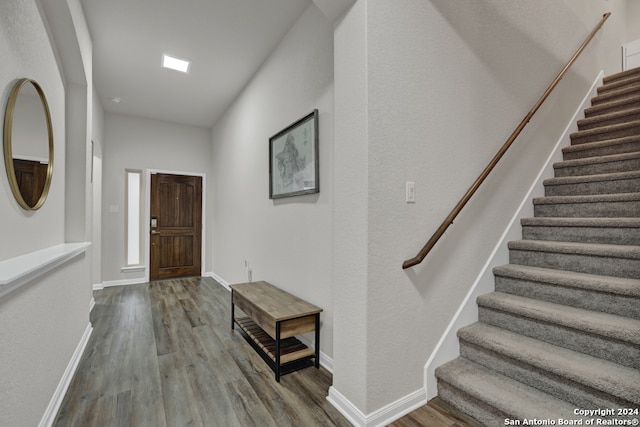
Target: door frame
147, 216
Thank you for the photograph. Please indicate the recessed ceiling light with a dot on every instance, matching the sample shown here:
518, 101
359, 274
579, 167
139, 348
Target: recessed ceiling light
175, 63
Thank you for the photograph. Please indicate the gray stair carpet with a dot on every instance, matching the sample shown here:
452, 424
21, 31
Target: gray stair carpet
561, 333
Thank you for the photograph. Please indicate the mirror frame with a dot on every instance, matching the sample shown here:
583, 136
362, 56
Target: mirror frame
8, 158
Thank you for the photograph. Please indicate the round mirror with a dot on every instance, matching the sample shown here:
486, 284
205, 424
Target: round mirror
28, 144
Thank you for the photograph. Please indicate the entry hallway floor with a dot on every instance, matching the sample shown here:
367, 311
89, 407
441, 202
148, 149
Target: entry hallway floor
163, 354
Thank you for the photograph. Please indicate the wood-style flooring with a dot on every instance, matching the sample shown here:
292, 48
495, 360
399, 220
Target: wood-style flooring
163, 354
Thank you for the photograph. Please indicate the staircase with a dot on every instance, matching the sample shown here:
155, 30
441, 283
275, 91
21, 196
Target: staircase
562, 329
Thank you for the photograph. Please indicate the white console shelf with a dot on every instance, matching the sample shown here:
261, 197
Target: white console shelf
15, 272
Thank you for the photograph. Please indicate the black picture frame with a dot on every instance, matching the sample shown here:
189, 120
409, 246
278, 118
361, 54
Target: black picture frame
293, 159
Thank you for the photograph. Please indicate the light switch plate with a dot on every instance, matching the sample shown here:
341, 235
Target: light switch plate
411, 192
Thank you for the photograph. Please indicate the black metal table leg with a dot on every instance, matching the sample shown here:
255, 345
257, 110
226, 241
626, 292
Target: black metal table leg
232, 312
317, 362
277, 351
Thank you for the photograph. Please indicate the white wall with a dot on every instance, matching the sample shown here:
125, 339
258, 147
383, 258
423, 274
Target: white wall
26, 52
97, 137
633, 21
288, 241
138, 143
44, 320
441, 87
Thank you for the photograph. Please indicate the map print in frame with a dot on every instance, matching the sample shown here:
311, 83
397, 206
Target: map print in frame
293, 159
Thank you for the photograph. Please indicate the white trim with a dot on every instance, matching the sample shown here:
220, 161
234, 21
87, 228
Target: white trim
447, 348
397, 409
122, 282
382, 416
218, 279
17, 271
133, 269
147, 227
346, 408
98, 286
56, 400
92, 303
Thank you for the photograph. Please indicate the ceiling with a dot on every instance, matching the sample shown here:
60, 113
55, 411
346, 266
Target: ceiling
226, 40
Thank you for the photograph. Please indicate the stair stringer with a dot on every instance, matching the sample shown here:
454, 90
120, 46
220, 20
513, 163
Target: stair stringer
448, 347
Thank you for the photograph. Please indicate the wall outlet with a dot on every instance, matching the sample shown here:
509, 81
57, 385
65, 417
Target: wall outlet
247, 267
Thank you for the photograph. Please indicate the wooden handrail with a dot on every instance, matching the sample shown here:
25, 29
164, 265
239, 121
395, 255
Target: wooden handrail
454, 213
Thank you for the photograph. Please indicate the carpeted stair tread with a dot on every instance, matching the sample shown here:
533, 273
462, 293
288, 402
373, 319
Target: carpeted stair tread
604, 284
621, 75
603, 380
627, 144
602, 133
583, 222
626, 81
610, 118
599, 205
622, 251
605, 183
601, 324
631, 101
614, 94
500, 397
612, 176
590, 258
605, 294
620, 231
595, 165
596, 198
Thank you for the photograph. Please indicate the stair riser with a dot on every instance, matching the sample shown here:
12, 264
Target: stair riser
587, 299
595, 187
612, 107
601, 235
581, 263
624, 353
626, 165
592, 124
625, 209
604, 135
484, 413
588, 151
558, 386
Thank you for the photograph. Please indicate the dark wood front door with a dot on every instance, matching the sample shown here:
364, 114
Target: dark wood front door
176, 226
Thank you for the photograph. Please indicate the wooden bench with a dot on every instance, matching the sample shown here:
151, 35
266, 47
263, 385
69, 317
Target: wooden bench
273, 319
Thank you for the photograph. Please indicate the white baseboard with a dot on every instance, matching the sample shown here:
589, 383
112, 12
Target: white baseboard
346, 408
382, 416
54, 405
123, 282
218, 279
92, 304
447, 348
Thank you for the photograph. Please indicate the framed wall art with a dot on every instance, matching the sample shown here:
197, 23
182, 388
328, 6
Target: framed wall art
293, 159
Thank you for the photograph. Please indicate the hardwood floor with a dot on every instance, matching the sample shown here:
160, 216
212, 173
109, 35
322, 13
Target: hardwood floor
163, 354
436, 413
